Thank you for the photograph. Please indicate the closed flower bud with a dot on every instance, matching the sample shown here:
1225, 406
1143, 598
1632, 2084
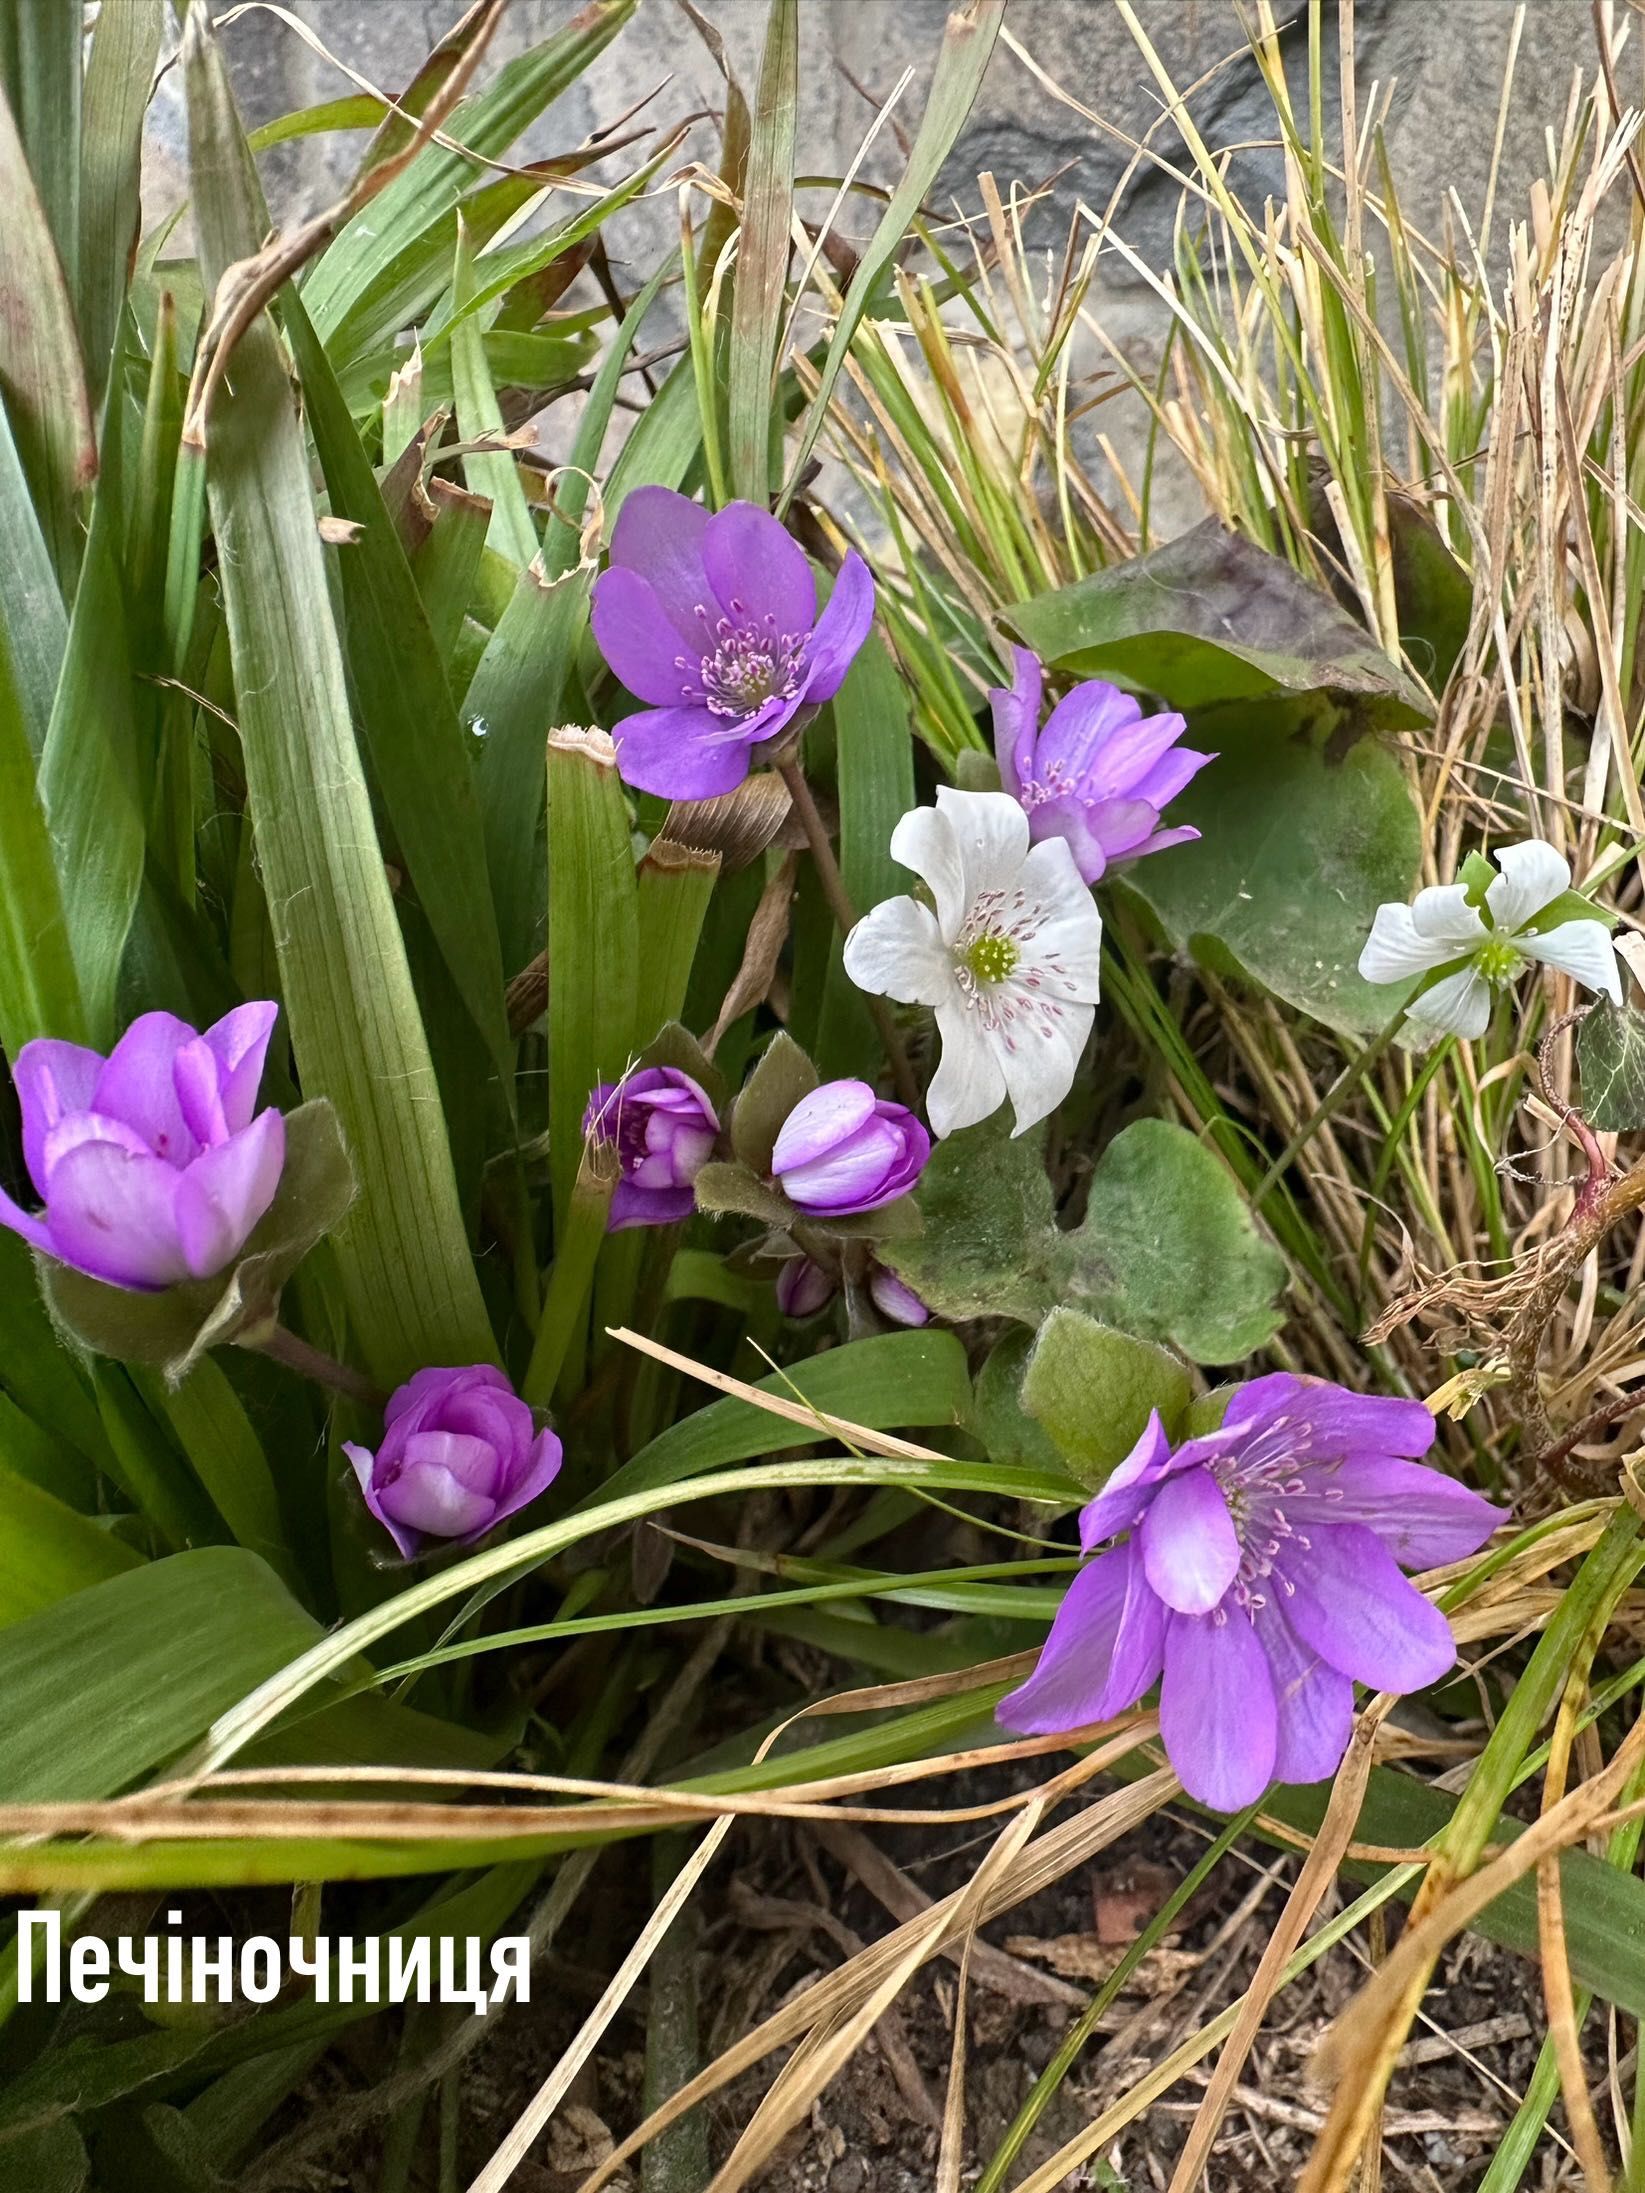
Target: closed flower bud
664, 1130
804, 1288
150, 1164
460, 1452
894, 1299
843, 1150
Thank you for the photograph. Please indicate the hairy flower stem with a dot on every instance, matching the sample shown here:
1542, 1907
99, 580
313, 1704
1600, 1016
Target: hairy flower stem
845, 918
284, 1347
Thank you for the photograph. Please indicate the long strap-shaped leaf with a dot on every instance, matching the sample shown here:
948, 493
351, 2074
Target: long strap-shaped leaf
364, 257
762, 254
412, 1292
421, 765
39, 990
40, 369
89, 780
966, 47
124, 48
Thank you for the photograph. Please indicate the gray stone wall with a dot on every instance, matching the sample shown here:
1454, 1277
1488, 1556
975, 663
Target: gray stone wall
1443, 58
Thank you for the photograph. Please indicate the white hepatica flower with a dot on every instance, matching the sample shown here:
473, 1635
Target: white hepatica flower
1441, 927
1009, 960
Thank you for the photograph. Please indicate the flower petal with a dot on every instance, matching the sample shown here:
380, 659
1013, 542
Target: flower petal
640, 644
1170, 776
1016, 720
363, 1464
990, 835
1102, 1654
895, 1299
1423, 1517
758, 571
114, 1215
1580, 948
896, 952
659, 534
1329, 1423
1075, 825
1314, 1703
1347, 1599
239, 1042
1457, 1005
429, 1499
474, 1463
820, 1122
1038, 1059
1189, 1545
1216, 1709
1120, 1502
1533, 874
137, 1085
199, 1083
632, 1205
1068, 925
1161, 841
844, 624
1396, 949
225, 1191
968, 1085
679, 753
538, 1472
926, 841
1442, 914
31, 1226
51, 1077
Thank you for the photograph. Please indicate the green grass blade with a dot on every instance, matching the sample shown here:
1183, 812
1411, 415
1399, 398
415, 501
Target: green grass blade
593, 941
124, 48
491, 473
32, 615
418, 755
874, 776
521, 685
40, 367
409, 1279
89, 777
40, 74
47, 1551
967, 44
762, 256
223, 1450
343, 292
39, 985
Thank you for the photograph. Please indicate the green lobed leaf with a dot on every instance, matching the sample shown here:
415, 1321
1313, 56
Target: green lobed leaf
1213, 618
1610, 1057
1167, 1250
1093, 1389
781, 1080
172, 1330
1307, 826
412, 1291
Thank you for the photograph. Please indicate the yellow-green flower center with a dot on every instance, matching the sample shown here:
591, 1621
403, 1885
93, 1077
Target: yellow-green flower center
991, 957
1499, 960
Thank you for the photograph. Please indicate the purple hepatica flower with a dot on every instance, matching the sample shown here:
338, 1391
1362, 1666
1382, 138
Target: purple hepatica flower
150, 1164
1261, 1575
712, 620
664, 1128
843, 1150
1098, 775
460, 1452
895, 1300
